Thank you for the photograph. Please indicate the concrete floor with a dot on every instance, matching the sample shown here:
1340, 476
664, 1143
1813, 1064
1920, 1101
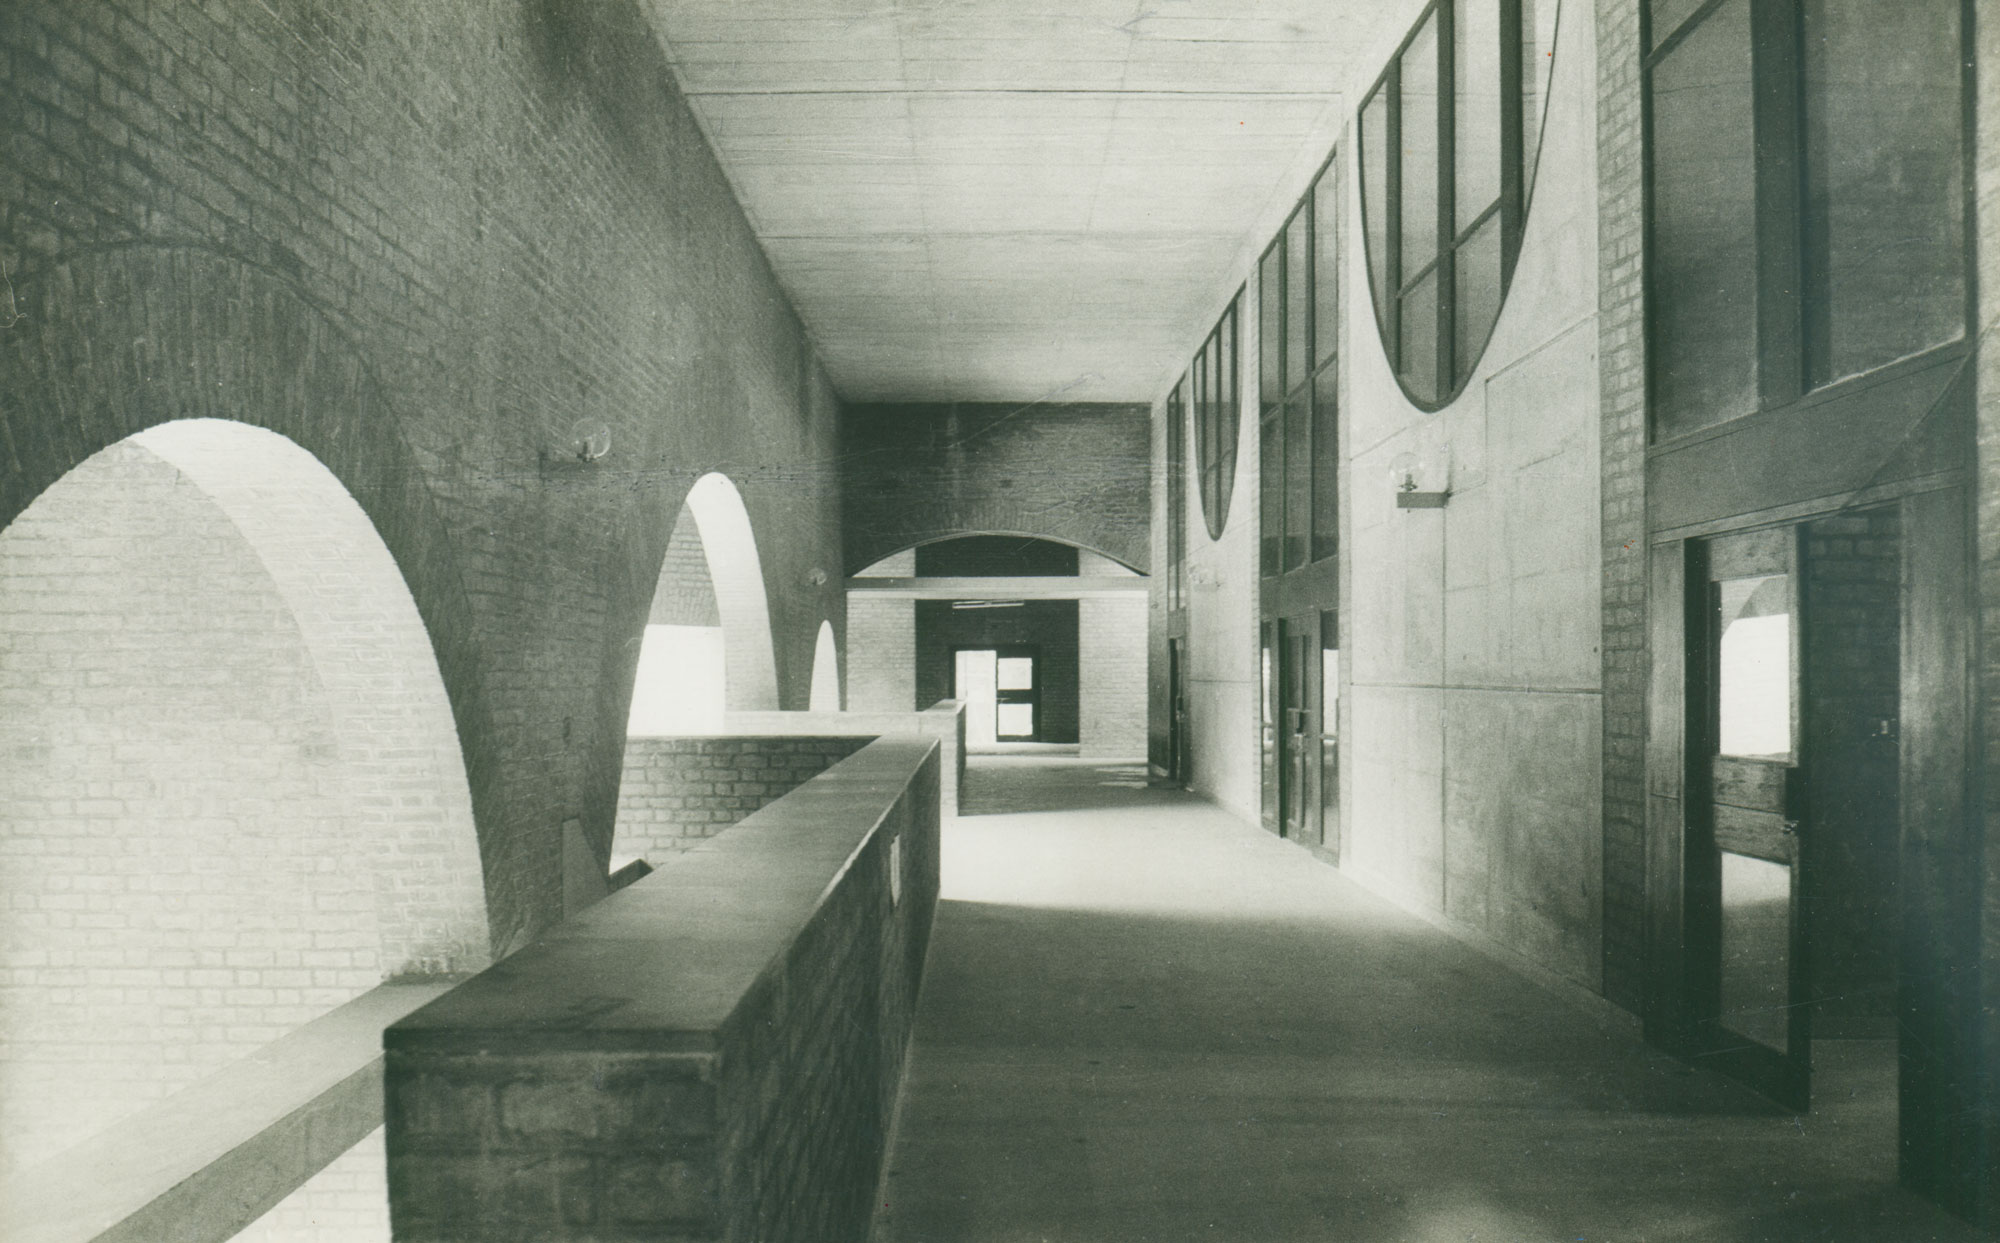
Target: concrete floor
1145, 1020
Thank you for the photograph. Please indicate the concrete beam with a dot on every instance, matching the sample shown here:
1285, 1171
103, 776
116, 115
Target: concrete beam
1047, 587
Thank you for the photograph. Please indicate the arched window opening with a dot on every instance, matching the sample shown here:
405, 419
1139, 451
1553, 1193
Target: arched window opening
1450, 135
826, 672
707, 646
234, 797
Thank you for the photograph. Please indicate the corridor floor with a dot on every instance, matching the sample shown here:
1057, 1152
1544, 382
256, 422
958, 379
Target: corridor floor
1144, 1020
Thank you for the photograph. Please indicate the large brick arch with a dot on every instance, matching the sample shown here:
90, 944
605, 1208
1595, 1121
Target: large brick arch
233, 797
116, 339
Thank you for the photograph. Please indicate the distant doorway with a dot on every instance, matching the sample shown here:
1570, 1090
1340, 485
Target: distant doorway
1001, 693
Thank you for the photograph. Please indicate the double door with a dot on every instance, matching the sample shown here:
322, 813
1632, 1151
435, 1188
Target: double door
1301, 728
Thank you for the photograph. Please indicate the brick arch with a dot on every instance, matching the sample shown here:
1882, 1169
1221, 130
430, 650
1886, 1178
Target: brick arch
736, 570
114, 339
871, 569
234, 798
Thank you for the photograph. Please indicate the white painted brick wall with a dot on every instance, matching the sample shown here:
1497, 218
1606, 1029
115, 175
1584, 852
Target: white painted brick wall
1111, 669
217, 821
881, 654
347, 1202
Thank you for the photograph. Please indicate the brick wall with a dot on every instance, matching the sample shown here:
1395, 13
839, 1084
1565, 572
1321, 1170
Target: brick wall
1621, 352
347, 1202
744, 1098
684, 595
1076, 473
1111, 664
678, 791
882, 655
1850, 677
230, 798
426, 242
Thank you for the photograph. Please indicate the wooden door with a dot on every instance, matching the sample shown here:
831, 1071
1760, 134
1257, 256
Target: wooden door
1749, 979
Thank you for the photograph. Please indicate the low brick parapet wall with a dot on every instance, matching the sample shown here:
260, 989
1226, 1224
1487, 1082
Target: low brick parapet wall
711, 1053
677, 792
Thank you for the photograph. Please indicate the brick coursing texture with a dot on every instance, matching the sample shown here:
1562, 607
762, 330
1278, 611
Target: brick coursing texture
347, 1202
181, 848
678, 791
1111, 663
685, 595
1078, 473
424, 241
776, 1136
1622, 368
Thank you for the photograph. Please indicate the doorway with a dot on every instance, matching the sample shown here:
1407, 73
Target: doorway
1178, 768
1001, 692
1794, 681
1301, 697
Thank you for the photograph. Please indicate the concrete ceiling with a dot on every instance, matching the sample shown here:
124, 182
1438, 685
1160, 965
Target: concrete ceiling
1011, 200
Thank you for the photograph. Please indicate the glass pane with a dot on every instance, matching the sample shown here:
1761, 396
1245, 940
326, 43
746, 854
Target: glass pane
1298, 480
1204, 426
1704, 293
1538, 51
1420, 327
1476, 109
1326, 464
1375, 200
1227, 412
1326, 251
1014, 673
1756, 948
1016, 721
1420, 147
1329, 748
1298, 291
1270, 332
1478, 284
1662, 16
1271, 484
1754, 671
1268, 735
1884, 177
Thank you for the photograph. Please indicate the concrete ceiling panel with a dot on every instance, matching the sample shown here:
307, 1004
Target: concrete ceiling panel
977, 200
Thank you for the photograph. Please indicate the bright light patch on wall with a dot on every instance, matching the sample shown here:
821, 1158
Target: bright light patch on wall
679, 687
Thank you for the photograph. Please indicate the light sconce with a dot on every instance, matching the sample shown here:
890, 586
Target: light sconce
1204, 578
1421, 481
817, 578
589, 441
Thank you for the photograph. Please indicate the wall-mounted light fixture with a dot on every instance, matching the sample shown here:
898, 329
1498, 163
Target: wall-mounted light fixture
1422, 480
1206, 578
589, 440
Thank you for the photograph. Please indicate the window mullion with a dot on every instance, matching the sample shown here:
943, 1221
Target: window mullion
1513, 175
1775, 73
1447, 182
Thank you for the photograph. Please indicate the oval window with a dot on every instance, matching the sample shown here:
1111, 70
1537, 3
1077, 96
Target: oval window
1449, 138
1214, 385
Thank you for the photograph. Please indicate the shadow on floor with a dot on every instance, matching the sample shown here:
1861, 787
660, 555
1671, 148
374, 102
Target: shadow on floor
1004, 785
1144, 1020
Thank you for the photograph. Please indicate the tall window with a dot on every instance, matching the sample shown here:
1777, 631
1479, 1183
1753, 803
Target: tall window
1298, 426
1177, 496
1449, 137
1807, 216
1216, 399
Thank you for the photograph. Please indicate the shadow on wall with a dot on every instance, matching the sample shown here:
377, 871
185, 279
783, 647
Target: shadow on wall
707, 648
234, 797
